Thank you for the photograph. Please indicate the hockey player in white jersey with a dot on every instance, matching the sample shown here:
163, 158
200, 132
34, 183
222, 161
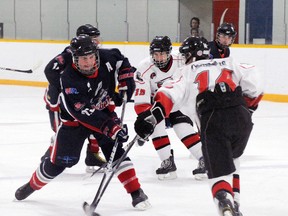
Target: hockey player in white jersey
151, 73
221, 96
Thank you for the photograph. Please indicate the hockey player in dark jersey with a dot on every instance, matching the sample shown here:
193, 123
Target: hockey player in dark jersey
225, 36
88, 86
53, 72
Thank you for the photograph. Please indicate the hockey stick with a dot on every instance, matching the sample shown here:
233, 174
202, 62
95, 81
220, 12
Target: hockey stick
16, 70
23, 71
89, 209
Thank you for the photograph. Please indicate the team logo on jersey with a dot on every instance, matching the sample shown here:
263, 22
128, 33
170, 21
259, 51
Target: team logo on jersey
153, 75
160, 83
102, 102
109, 67
78, 106
71, 91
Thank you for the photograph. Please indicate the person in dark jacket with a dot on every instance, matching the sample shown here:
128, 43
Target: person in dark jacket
225, 36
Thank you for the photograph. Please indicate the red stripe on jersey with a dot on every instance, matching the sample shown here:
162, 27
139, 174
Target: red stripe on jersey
165, 101
160, 142
221, 185
141, 108
191, 140
253, 102
147, 69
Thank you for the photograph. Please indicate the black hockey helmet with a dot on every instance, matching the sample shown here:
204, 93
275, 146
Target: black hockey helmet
194, 48
83, 45
88, 29
161, 44
226, 29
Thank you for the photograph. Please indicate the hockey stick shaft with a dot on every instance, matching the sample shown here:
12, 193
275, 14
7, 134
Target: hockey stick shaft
90, 209
103, 185
115, 168
16, 70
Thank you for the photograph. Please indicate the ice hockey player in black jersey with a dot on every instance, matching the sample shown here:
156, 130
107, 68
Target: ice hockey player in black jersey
53, 71
88, 86
225, 36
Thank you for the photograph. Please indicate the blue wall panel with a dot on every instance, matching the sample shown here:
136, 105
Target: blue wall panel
259, 15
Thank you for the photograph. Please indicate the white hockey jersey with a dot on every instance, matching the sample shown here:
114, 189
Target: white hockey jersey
149, 79
203, 75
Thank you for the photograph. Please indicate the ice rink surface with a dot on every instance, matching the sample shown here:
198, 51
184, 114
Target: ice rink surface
25, 134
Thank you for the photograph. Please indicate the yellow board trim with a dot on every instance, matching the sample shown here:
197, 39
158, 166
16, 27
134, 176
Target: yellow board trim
23, 83
275, 98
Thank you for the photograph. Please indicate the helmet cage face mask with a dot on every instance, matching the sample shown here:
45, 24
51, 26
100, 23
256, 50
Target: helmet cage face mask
161, 44
87, 72
84, 46
225, 30
163, 62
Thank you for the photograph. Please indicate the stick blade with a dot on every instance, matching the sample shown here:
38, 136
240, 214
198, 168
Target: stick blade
29, 71
89, 211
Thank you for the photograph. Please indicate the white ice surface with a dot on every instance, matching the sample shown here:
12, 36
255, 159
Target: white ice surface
25, 133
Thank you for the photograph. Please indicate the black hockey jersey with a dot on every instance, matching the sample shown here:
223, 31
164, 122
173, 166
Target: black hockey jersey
216, 52
87, 99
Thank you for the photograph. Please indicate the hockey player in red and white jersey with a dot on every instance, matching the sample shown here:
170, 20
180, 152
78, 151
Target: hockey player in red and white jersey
221, 96
152, 72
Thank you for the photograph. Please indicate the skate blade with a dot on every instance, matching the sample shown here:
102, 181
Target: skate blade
200, 176
168, 176
227, 213
142, 206
91, 169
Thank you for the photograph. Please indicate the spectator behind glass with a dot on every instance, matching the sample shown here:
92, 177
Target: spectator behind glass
195, 24
194, 32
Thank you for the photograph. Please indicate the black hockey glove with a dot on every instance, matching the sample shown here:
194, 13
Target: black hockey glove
126, 82
112, 129
118, 100
147, 121
122, 135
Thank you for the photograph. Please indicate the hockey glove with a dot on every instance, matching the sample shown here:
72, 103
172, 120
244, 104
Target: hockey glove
112, 129
147, 121
118, 100
126, 82
122, 135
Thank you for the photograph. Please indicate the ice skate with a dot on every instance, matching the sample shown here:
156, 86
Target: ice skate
200, 172
168, 169
225, 206
24, 191
237, 211
140, 200
92, 160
